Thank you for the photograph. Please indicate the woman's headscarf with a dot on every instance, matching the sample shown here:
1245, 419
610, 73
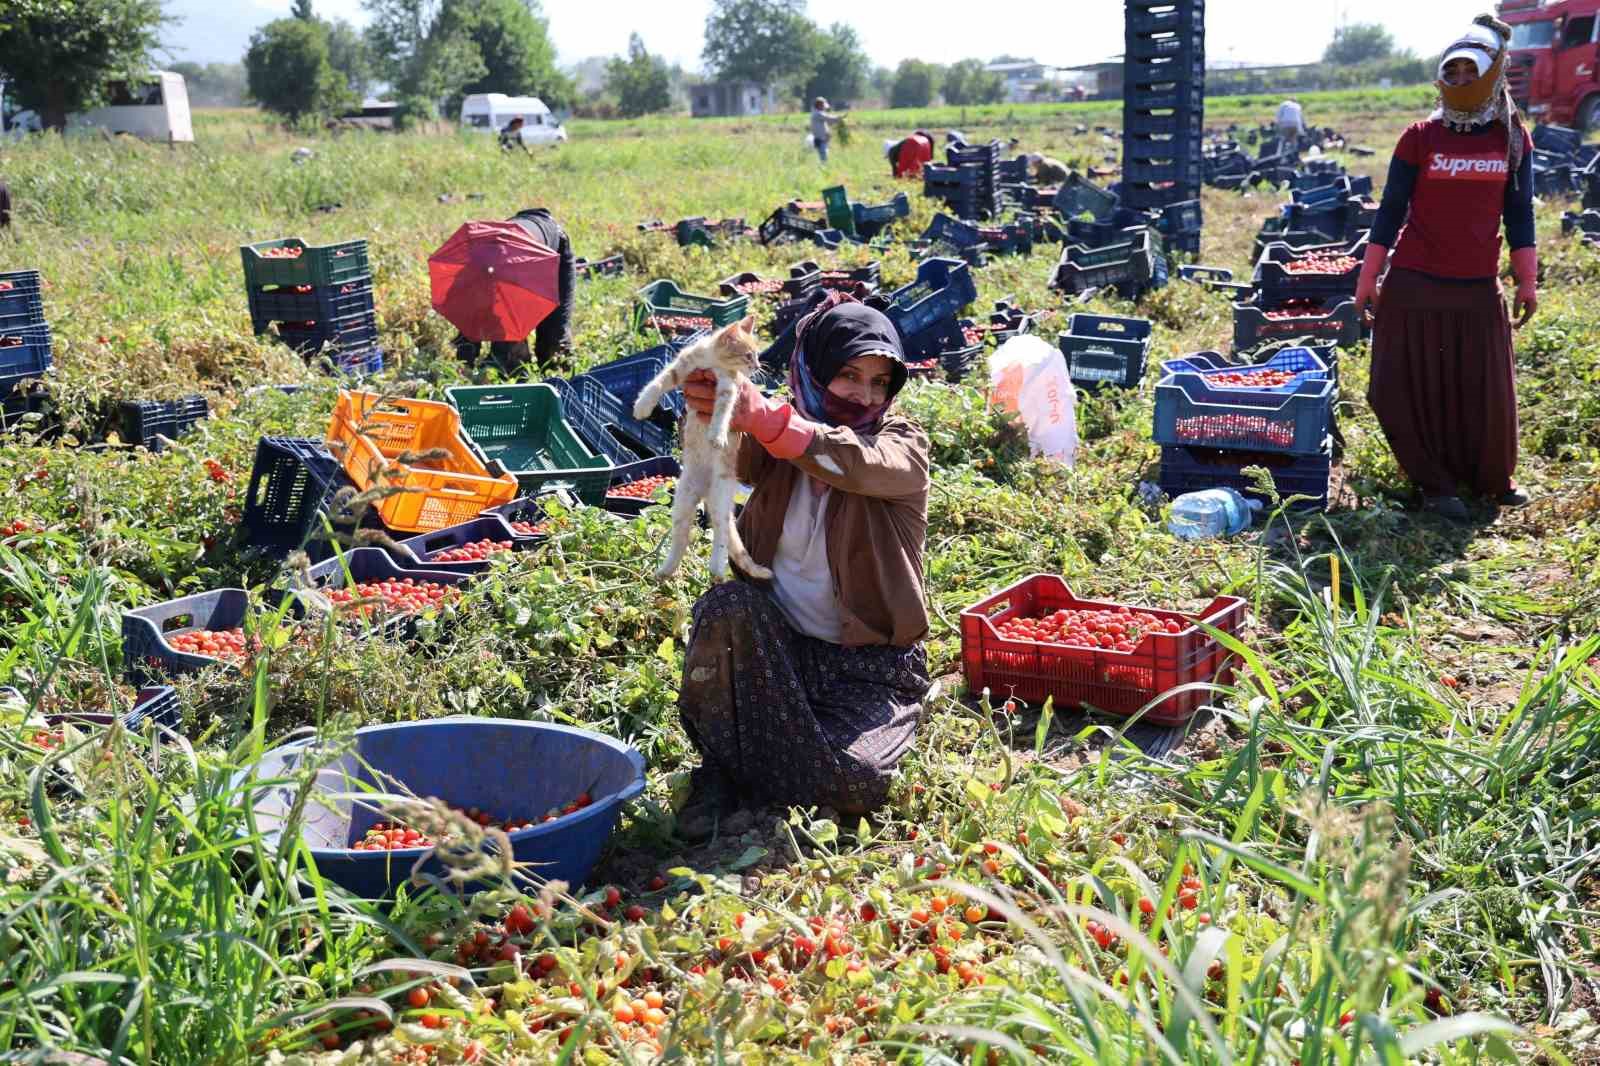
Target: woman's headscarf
1488, 97
840, 329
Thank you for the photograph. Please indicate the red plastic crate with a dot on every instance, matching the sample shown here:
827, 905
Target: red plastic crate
1115, 682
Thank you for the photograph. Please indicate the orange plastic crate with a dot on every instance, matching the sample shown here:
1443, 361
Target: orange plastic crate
368, 432
1111, 681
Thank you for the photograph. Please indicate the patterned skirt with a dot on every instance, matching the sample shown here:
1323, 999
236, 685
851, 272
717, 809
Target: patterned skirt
792, 719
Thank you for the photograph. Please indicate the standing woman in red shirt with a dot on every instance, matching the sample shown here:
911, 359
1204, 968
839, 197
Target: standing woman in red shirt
1443, 385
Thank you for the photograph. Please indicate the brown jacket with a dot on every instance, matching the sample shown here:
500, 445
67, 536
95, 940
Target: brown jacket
877, 522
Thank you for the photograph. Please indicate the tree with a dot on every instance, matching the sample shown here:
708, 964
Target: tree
882, 81
396, 35
350, 55
842, 67
59, 54
641, 83
764, 41
914, 84
1359, 42
513, 42
967, 82
288, 71
302, 11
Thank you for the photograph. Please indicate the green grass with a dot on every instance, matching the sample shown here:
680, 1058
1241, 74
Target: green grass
1391, 817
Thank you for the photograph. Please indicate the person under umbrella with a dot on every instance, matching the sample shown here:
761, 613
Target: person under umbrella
1443, 383
808, 689
553, 336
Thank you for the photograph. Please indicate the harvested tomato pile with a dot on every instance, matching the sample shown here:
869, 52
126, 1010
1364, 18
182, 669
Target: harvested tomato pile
226, 644
1236, 429
48, 739
1322, 263
759, 287
11, 529
923, 364
402, 597
679, 323
383, 836
1116, 628
1290, 309
972, 335
281, 253
642, 489
472, 552
530, 529
1251, 379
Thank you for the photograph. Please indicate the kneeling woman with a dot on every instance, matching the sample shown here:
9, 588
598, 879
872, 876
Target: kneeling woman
807, 689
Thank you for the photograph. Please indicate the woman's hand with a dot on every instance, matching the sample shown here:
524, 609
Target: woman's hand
1524, 305
752, 412
1367, 291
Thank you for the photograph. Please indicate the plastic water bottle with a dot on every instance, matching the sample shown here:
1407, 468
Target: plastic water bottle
1211, 513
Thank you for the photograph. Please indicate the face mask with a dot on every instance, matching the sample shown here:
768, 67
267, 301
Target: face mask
1473, 96
839, 411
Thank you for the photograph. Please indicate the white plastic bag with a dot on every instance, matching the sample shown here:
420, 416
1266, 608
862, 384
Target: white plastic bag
1028, 376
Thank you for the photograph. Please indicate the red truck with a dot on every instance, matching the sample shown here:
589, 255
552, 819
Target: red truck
1554, 67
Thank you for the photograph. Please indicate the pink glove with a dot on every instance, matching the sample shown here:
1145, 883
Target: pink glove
774, 425
1525, 265
1367, 284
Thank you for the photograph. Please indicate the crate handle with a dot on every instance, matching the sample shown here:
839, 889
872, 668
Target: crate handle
178, 621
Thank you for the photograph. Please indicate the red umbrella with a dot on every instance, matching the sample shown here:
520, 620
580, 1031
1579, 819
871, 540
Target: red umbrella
493, 281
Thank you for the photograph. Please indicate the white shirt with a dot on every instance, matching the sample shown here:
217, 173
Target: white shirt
802, 584
1290, 116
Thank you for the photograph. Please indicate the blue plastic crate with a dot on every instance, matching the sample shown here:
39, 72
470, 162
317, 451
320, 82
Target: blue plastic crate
1334, 320
424, 547
661, 466
1301, 362
514, 768
1560, 139
935, 176
899, 206
1105, 349
1190, 413
362, 565
21, 299
1077, 196
293, 484
587, 423
626, 377
609, 407
1196, 469
314, 304
361, 363
942, 288
146, 652
983, 154
953, 232
1182, 217
356, 332
1129, 266
154, 703
24, 353
141, 421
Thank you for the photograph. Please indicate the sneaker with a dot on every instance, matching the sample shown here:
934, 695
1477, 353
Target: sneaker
1449, 507
712, 797
1514, 497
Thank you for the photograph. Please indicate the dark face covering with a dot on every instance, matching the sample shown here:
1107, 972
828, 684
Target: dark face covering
827, 339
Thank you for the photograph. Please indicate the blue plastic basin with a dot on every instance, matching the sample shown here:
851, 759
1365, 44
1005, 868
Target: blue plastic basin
513, 769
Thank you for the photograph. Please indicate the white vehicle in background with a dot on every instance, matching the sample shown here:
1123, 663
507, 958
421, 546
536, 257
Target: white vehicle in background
156, 109
492, 112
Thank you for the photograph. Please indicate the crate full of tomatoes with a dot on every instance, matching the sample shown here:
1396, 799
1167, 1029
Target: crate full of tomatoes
1321, 317
1284, 272
1294, 419
1036, 641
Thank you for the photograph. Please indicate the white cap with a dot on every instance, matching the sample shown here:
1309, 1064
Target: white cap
888, 145
1479, 44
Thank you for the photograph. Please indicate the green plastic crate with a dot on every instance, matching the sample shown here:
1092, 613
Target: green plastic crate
522, 426
663, 297
318, 265
840, 216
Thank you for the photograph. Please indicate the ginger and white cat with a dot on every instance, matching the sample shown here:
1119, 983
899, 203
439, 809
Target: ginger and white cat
709, 448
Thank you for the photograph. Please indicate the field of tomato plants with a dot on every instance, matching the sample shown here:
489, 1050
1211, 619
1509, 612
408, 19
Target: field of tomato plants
1380, 844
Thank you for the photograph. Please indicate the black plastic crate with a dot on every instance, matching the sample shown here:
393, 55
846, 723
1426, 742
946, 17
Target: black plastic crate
1196, 469
1183, 16
1183, 170
610, 266
1183, 48
356, 332
143, 421
1148, 196
1170, 123
1188, 68
293, 484
1332, 319
21, 299
1105, 350
309, 304
1182, 97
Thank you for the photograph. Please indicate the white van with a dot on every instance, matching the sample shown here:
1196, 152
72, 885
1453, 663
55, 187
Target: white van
156, 109
491, 112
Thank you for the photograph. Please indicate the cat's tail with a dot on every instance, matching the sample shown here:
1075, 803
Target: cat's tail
741, 556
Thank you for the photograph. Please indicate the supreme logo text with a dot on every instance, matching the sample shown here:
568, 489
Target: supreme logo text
1468, 167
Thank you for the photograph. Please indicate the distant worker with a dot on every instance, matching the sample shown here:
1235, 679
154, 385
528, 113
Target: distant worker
822, 123
1443, 379
553, 336
5, 206
1291, 125
955, 138
1047, 171
907, 157
511, 136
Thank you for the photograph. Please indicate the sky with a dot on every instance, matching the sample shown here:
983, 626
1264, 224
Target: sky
1062, 32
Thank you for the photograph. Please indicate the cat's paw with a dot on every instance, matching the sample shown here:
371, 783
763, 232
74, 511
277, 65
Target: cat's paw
719, 441
643, 408
666, 570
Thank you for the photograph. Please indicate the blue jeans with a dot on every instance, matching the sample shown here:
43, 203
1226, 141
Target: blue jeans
822, 150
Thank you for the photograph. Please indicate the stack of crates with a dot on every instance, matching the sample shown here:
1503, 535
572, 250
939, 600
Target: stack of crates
317, 296
24, 342
1213, 420
970, 183
1163, 110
